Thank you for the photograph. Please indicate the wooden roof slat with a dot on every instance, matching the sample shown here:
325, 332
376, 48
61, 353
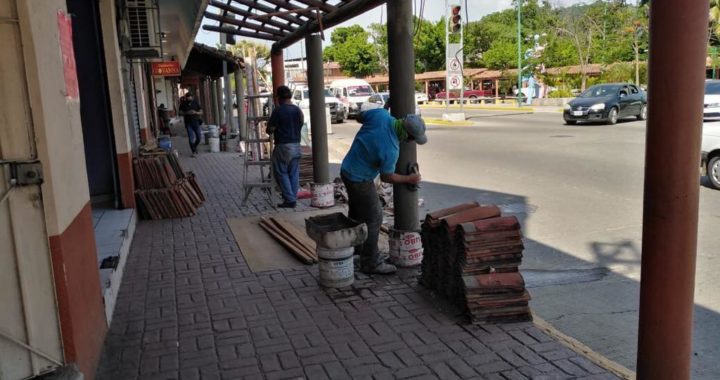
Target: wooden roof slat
245, 14
322, 5
227, 30
245, 25
267, 9
284, 5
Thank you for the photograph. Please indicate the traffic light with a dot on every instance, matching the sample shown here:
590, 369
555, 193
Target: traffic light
455, 19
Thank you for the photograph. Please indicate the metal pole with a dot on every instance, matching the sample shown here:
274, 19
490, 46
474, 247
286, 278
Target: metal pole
318, 122
462, 70
402, 88
671, 196
240, 96
214, 101
226, 86
219, 102
447, 57
519, 37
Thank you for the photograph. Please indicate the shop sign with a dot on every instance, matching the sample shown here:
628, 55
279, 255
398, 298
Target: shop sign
166, 69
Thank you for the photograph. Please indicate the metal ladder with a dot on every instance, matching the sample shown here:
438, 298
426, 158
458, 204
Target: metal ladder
253, 155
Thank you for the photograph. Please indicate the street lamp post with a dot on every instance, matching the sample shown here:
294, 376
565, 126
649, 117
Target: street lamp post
519, 47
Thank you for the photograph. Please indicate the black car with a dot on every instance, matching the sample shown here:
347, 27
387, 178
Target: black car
607, 103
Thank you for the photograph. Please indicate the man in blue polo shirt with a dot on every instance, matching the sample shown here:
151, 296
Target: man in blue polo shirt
285, 124
374, 152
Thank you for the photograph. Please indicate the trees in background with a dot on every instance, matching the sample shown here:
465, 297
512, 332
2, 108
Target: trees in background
602, 32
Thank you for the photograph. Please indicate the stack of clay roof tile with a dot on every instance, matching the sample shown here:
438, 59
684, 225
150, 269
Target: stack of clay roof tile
471, 257
164, 190
306, 166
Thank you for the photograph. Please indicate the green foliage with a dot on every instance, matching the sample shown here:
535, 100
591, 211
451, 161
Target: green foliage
501, 55
352, 50
560, 93
429, 43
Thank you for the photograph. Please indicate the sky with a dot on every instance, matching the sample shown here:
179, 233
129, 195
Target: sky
434, 9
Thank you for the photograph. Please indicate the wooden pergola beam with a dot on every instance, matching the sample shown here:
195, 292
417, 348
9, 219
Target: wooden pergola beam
245, 25
282, 5
245, 14
226, 30
251, 4
322, 5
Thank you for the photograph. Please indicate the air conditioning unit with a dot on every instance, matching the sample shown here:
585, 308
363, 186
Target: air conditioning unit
141, 29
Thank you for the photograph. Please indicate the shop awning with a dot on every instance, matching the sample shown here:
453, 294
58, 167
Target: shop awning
207, 61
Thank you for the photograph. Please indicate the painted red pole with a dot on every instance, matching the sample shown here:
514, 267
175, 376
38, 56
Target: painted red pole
278, 70
678, 49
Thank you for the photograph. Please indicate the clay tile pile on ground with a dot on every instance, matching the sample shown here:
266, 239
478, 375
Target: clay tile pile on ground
472, 255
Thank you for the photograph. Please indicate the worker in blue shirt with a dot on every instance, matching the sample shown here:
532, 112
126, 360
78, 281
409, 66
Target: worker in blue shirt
285, 124
375, 151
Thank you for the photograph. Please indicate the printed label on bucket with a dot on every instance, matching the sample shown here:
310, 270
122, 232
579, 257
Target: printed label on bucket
322, 194
336, 273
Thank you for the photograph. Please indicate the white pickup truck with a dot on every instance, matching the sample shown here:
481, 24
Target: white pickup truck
711, 153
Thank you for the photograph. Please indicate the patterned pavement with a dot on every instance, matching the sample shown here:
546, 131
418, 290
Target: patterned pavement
190, 308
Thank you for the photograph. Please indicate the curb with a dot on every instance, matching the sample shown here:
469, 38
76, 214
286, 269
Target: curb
447, 122
577, 346
478, 107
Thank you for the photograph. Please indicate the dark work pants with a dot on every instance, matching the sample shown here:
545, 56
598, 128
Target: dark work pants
364, 206
194, 134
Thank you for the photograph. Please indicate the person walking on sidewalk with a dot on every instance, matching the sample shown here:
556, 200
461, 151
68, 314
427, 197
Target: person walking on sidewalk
375, 150
285, 124
191, 111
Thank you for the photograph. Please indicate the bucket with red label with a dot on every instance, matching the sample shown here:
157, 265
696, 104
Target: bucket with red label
406, 248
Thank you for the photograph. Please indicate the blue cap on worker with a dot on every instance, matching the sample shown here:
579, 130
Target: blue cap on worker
415, 126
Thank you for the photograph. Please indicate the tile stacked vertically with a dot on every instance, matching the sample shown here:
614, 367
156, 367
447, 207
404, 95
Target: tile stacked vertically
472, 255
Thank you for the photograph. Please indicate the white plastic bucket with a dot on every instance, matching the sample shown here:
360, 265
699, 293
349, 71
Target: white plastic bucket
214, 144
334, 254
336, 267
322, 194
406, 248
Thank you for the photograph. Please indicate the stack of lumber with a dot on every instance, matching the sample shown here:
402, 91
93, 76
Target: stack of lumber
472, 254
294, 240
164, 190
306, 166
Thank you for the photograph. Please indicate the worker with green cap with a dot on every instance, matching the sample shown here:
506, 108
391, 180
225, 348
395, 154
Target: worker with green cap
375, 151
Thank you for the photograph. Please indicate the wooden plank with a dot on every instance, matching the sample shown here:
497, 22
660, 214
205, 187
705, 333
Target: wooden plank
307, 250
298, 235
274, 232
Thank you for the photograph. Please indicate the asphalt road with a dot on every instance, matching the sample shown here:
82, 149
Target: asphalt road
578, 191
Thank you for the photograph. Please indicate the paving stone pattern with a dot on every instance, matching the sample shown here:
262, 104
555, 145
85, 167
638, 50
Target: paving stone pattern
190, 308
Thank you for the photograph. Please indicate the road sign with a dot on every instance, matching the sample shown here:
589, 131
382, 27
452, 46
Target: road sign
455, 65
455, 82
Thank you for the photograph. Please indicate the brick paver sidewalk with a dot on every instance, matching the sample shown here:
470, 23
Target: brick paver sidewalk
190, 308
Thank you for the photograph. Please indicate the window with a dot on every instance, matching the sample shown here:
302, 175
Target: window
712, 88
633, 90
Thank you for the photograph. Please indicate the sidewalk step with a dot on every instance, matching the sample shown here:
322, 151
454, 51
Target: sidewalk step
258, 163
258, 184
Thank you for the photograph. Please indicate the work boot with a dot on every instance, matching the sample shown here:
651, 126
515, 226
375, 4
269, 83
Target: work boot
287, 205
382, 268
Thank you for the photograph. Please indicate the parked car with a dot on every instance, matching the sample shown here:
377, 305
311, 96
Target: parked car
338, 113
712, 100
421, 98
380, 100
352, 93
710, 163
468, 94
607, 103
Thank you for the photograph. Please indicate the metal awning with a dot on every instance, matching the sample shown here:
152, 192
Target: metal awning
207, 61
283, 21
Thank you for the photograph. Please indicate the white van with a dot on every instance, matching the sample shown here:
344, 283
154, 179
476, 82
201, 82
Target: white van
301, 98
352, 93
